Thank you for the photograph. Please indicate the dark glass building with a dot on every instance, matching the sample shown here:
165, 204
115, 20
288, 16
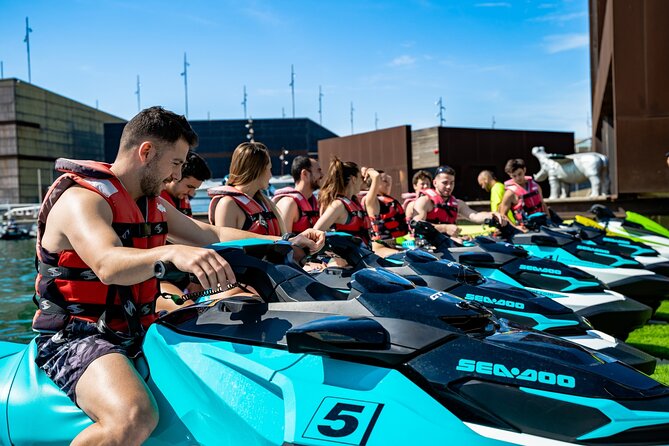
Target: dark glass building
218, 139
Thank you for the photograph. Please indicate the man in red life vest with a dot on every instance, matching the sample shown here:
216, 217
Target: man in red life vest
439, 207
523, 195
101, 229
298, 206
179, 192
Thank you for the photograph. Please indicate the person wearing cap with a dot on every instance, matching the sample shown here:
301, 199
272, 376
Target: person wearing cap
439, 207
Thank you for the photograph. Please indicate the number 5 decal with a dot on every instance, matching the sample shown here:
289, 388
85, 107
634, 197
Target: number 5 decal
343, 421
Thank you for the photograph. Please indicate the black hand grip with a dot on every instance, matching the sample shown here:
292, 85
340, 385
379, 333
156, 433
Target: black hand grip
170, 273
493, 222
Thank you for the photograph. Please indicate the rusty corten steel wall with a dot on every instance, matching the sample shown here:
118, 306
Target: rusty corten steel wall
629, 56
387, 149
470, 150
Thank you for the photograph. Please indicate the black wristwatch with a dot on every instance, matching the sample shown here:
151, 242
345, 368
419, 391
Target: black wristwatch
287, 236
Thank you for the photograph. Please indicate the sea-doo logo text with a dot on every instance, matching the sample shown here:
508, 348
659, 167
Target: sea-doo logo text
537, 269
491, 301
531, 375
588, 248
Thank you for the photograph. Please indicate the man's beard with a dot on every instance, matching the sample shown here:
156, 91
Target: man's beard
150, 184
314, 185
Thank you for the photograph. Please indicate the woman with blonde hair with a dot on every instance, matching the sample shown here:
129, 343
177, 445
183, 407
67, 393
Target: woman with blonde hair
338, 199
241, 204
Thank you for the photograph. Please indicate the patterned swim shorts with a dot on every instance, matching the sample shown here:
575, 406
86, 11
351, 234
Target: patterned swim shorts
64, 356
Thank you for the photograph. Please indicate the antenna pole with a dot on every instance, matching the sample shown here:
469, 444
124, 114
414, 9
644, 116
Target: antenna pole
26, 39
320, 105
185, 75
137, 92
440, 103
292, 87
244, 101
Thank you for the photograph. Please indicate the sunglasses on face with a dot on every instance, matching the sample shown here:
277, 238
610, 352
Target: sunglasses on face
444, 169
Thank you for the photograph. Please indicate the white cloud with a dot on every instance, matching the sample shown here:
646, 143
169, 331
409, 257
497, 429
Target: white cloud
493, 5
403, 60
565, 42
560, 18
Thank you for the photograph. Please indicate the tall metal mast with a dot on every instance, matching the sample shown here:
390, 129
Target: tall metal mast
137, 92
26, 39
320, 105
244, 101
352, 110
440, 103
292, 87
185, 75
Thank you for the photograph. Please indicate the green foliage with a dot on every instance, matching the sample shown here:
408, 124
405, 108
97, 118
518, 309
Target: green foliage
661, 374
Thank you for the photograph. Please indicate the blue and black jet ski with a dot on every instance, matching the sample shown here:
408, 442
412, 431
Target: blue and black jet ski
388, 363
506, 301
617, 270
607, 310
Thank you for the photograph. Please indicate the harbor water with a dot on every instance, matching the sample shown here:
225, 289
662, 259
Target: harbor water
17, 285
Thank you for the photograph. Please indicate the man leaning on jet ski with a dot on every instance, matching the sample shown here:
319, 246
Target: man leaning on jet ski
440, 207
102, 227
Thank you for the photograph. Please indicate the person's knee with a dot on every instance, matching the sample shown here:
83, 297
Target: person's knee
134, 423
142, 418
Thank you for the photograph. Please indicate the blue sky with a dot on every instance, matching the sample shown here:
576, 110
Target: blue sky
524, 62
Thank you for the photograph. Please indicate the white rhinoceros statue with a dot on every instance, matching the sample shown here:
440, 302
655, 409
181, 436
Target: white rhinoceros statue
573, 169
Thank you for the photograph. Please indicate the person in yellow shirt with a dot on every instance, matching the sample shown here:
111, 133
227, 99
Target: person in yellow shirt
489, 183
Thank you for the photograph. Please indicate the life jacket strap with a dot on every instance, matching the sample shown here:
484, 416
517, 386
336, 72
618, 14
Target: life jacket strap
66, 273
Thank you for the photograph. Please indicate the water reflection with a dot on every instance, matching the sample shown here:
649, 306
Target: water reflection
17, 279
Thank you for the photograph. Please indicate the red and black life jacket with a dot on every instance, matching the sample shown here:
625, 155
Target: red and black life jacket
182, 205
308, 209
529, 198
357, 223
391, 221
67, 288
259, 220
409, 197
443, 212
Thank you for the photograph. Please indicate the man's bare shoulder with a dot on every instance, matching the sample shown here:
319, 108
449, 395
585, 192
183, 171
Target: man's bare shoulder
74, 209
78, 200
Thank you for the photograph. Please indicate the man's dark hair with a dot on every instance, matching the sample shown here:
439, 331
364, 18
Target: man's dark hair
513, 165
196, 167
421, 175
157, 123
299, 163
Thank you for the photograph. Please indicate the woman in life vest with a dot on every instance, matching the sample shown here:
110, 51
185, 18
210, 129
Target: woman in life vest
386, 214
338, 200
421, 180
241, 204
